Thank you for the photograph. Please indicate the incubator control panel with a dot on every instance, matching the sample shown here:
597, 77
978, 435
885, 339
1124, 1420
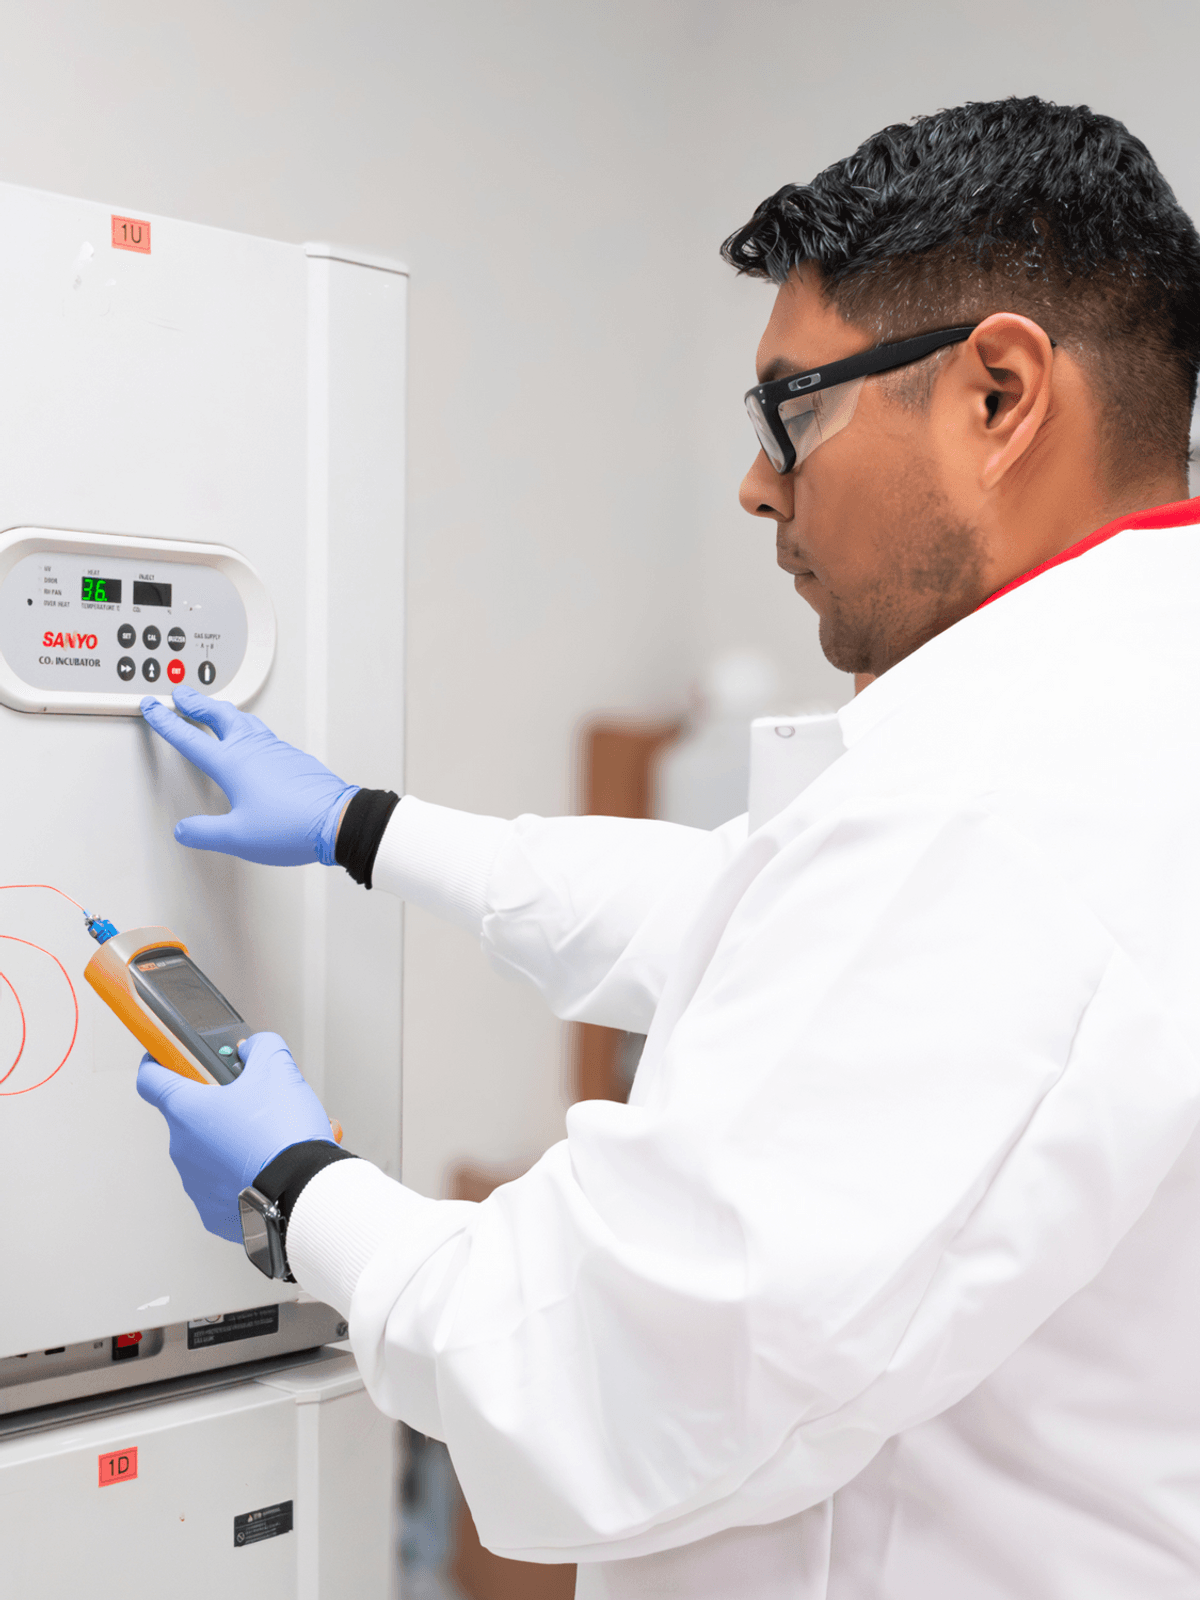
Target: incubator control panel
93, 622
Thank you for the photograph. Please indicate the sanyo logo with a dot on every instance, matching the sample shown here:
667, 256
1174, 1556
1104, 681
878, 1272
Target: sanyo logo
69, 641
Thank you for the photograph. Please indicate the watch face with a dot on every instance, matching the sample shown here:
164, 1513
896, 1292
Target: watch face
260, 1233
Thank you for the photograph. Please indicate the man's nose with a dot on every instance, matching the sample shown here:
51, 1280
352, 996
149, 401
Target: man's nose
765, 493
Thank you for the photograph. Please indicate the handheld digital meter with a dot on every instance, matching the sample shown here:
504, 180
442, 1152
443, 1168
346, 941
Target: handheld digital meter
147, 977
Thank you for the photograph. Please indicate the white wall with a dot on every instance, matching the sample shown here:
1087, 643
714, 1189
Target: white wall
558, 178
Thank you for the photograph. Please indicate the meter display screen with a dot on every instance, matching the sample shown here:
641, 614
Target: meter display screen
102, 591
151, 594
185, 987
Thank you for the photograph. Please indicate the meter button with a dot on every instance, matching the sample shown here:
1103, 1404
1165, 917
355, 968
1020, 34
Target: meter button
151, 669
175, 671
126, 635
225, 1050
151, 638
177, 638
126, 667
206, 672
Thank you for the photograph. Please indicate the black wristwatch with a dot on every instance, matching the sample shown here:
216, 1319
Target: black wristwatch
266, 1206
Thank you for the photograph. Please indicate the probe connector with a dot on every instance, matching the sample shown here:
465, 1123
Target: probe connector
99, 927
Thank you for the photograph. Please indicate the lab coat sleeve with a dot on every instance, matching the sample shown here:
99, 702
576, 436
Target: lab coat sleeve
590, 910
912, 1097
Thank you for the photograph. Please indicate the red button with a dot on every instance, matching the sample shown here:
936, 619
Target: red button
176, 670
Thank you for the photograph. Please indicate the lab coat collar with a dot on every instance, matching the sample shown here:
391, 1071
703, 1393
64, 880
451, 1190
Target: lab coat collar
1177, 514
880, 698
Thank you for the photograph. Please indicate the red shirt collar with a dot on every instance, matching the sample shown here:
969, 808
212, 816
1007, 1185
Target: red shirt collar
1179, 514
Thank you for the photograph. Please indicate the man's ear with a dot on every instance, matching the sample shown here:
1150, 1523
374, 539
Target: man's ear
1010, 364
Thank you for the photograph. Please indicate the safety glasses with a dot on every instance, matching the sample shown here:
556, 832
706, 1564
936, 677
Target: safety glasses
792, 416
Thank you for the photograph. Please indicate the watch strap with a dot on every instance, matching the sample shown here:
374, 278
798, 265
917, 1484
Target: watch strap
362, 828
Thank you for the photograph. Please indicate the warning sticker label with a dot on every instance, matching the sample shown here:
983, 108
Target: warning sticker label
233, 1325
131, 233
118, 1466
265, 1524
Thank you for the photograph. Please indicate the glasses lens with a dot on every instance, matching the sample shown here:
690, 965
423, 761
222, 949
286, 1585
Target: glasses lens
810, 419
766, 438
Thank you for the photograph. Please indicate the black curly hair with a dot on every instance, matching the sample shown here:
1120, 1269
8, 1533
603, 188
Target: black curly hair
1021, 205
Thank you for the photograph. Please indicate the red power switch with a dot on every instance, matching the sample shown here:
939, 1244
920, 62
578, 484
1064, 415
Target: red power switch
125, 1346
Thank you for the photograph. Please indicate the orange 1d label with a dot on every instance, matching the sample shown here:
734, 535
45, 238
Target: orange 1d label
131, 233
118, 1466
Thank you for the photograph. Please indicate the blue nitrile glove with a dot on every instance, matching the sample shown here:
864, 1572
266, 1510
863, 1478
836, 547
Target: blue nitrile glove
285, 806
222, 1136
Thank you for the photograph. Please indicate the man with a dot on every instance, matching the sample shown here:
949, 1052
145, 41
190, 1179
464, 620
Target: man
883, 1285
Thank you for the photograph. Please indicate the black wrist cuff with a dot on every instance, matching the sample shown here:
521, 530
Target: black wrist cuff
285, 1175
367, 815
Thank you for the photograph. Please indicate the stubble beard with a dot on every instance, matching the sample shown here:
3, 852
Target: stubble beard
925, 583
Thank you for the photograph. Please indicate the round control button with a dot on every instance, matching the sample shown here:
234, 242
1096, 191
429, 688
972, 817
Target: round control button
126, 634
175, 671
177, 638
206, 672
151, 637
225, 1050
151, 670
126, 668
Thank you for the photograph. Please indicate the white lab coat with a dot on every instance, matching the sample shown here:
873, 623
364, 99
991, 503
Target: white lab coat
886, 1283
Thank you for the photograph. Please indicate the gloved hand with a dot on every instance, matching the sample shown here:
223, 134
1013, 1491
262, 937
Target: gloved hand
222, 1136
285, 806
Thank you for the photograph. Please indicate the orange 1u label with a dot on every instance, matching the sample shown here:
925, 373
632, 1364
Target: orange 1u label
118, 1466
131, 233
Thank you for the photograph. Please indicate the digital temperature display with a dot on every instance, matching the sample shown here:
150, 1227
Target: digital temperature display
151, 594
102, 591
185, 987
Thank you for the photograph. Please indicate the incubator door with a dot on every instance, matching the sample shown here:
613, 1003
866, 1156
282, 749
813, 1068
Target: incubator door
201, 458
